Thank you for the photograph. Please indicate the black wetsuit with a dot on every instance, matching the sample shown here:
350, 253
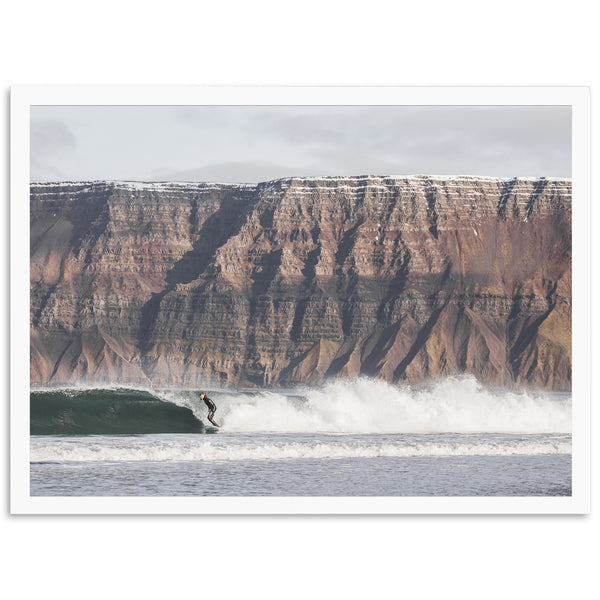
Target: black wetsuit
211, 409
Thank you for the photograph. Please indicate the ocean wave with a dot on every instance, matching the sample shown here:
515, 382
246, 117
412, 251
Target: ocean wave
374, 406
226, 448
85, 411
363, 405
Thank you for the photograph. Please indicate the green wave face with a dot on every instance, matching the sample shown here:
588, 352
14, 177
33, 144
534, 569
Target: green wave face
107, 411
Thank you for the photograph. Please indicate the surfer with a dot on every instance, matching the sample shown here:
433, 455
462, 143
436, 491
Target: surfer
211, 407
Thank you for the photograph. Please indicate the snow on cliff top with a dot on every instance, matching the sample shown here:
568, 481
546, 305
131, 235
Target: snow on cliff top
331, 178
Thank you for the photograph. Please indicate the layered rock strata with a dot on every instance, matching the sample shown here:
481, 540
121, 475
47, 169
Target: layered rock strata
302, 279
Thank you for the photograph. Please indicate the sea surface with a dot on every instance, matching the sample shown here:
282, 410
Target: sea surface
362, 437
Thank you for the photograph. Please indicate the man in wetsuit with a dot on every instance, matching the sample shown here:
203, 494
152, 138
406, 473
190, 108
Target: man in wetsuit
211, 408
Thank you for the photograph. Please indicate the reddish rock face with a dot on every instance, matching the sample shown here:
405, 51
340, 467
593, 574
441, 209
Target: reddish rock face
301, 279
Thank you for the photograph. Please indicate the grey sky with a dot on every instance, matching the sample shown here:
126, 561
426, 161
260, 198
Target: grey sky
257, 143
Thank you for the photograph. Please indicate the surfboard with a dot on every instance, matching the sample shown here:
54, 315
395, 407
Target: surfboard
211, 429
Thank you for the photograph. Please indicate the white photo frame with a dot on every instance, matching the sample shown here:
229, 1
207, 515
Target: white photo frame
23, 97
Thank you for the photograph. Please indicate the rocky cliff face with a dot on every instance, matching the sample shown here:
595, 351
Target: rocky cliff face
301, 279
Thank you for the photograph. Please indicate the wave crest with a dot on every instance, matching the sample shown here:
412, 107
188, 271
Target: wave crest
365, 405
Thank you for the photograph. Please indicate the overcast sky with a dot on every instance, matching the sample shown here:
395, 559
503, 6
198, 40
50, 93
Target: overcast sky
257, 143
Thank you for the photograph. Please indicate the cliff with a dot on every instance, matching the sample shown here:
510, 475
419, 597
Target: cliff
301, 279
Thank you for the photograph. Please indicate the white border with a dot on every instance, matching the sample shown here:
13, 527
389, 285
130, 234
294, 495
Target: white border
22, 97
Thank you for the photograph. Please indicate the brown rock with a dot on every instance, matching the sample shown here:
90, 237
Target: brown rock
297, 280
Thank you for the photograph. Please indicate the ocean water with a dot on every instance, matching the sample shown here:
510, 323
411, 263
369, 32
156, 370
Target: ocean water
364, 437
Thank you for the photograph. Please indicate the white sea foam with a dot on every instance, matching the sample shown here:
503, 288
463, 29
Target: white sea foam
374, 406
228, 448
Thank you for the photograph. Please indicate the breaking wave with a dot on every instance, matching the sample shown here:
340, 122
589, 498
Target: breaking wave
107, 411
363, 405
